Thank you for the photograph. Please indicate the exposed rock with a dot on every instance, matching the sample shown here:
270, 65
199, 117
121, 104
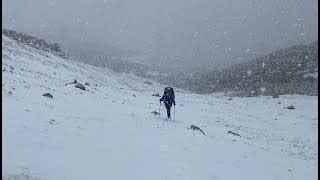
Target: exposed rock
290, 107
133, 95
74, 82
87, 84
48, 95
155, 113
156, 94
233, 133
80, 86
193, 127
52, 121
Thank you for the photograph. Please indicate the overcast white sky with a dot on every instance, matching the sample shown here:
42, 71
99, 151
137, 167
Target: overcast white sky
207, 30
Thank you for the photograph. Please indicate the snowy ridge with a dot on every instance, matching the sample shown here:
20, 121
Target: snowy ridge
108, 132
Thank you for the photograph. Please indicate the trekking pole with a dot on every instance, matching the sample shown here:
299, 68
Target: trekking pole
159, 109
174, 110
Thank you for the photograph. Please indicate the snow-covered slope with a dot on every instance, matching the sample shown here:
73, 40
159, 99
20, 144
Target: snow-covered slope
108, 132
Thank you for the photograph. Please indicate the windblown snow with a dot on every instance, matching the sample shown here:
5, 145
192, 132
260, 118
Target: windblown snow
109, 132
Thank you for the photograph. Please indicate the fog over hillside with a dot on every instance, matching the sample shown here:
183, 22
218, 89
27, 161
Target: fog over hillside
183, 32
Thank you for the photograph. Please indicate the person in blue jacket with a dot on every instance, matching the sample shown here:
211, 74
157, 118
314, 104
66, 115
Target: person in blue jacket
168, 98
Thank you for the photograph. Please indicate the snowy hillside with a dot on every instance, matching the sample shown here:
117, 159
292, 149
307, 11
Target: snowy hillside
109, 132
292, 70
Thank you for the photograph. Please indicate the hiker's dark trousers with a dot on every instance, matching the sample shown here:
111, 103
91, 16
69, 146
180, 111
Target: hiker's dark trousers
168, 111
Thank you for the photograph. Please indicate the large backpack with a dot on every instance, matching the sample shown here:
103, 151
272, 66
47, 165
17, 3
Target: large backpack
169, 90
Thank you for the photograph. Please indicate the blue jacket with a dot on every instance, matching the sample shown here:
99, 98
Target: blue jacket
168, 99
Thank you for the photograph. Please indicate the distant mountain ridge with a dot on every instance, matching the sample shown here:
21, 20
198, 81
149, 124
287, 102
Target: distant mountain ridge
293, 70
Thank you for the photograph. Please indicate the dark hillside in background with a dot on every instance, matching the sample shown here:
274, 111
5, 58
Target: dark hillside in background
292, 70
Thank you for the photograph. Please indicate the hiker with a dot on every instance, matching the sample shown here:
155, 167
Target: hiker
168, 98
